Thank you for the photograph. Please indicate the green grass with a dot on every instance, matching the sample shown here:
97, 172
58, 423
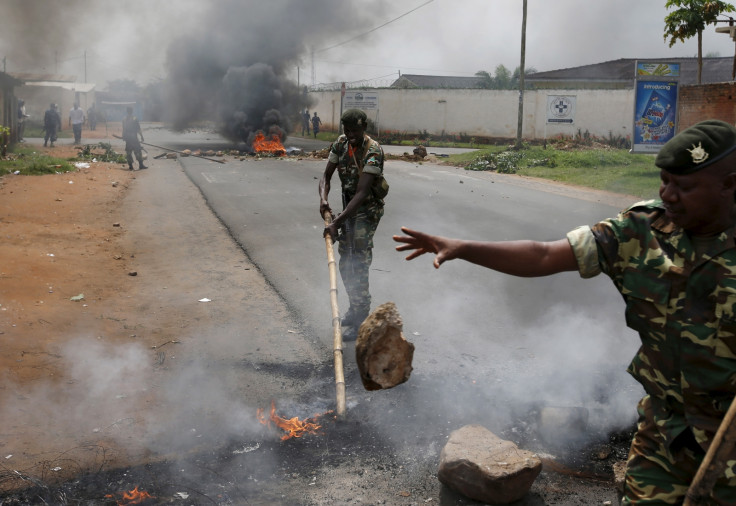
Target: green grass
614, 170
27, 161
37, 131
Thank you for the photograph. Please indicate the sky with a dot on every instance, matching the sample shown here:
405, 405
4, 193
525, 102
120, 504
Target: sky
105, 40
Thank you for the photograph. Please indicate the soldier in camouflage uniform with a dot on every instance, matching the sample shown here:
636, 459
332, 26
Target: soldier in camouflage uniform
358, 160
674, 262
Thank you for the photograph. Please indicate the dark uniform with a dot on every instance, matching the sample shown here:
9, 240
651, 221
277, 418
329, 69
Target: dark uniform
680, 293
51, 125
131, 131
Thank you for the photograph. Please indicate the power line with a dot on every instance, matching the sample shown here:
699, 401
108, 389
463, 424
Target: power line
403, 67
374, 29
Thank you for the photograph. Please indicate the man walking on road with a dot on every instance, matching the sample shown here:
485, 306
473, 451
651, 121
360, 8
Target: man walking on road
131, 131
76, 120
674, 262
358, 160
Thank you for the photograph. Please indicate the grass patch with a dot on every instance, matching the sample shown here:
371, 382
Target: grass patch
614, 170
26, 161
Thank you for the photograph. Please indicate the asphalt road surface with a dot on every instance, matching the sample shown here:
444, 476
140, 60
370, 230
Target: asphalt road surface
490, 349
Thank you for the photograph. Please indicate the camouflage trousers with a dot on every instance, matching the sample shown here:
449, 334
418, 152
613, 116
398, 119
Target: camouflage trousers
356, 255
658, 475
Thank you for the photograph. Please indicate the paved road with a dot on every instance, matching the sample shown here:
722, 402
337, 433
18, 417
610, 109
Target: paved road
558, 340
490, 349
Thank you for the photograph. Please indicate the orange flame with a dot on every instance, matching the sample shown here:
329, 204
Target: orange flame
261, 145
293, 426
134, 496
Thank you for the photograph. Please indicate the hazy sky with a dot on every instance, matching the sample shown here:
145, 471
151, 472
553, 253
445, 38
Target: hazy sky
130, 39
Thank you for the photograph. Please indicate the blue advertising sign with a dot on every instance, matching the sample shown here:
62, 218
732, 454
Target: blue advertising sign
654, 115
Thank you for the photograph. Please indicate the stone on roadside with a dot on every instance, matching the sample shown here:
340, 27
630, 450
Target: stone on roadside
483, 467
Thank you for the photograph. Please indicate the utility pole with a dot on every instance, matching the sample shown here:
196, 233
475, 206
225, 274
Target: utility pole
314, 72
520, 124
85, 65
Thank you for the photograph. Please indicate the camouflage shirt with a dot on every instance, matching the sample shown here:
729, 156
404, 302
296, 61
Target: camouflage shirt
681, 298
370, 155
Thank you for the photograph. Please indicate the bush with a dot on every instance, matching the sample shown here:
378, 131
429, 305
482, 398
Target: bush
505, 162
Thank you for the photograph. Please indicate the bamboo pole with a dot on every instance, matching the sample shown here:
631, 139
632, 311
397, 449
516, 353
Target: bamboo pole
715, 460
175, 151
336, 329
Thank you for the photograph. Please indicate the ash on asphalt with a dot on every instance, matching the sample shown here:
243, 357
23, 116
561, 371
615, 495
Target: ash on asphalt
396, 437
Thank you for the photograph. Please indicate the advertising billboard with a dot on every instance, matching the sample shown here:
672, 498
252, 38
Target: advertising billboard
655, 115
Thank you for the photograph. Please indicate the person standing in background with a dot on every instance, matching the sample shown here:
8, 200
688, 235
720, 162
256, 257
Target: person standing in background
51, 125
131, 131
76, 120
316, 122
21, 119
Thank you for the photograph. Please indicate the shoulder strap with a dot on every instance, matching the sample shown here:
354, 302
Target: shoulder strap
367, 143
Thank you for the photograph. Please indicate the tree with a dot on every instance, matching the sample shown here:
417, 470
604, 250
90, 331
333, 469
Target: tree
502, 79
486, 81
689, 19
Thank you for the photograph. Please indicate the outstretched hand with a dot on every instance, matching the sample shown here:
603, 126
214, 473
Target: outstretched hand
422, 243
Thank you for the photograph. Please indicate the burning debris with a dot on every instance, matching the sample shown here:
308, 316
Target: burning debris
262, 145
292, 426
134, 496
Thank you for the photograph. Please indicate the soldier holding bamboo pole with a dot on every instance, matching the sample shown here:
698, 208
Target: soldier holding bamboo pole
358, 160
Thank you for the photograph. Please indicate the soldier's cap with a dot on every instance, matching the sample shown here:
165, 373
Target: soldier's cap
697, 147
354, 117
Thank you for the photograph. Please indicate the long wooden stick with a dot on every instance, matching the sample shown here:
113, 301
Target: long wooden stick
175, 151
715, 460
336, 328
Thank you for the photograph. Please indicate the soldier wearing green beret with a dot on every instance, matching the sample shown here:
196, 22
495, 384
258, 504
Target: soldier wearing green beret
674, 262
358, 160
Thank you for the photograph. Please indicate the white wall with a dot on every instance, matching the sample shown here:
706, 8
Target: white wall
488, 113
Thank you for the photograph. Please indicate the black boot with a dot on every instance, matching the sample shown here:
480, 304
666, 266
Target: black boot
141, 166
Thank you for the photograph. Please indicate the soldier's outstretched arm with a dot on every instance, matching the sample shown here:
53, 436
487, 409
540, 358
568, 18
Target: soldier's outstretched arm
518, 258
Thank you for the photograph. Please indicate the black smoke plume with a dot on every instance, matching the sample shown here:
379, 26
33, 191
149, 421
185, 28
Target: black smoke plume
234, 69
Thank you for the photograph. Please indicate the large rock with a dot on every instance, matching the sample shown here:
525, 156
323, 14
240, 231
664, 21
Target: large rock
480, 465
383, 354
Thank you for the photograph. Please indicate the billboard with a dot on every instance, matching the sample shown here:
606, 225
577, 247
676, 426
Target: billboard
655, 114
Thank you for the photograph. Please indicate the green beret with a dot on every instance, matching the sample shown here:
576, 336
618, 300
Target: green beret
697, 147
354, 117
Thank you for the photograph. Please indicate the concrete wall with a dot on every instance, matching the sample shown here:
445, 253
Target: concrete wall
488, 113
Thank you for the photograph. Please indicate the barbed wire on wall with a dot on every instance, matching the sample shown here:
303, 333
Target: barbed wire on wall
376, 82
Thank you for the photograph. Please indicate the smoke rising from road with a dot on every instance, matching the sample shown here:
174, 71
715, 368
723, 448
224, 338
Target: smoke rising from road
234, 68
230, 61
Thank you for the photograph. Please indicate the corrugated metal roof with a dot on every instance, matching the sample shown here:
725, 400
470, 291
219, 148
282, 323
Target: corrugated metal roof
715, 70
80, 87
30, 76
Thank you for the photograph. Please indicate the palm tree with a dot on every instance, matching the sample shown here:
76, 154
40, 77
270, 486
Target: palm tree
689, 19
